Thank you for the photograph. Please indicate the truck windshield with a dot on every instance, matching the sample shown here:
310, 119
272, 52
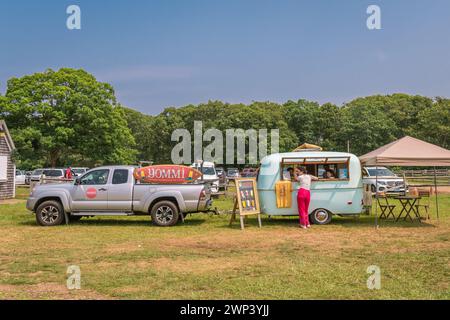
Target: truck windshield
208, 171
382, 172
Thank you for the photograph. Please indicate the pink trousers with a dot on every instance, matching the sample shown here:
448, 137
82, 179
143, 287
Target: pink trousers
303, 199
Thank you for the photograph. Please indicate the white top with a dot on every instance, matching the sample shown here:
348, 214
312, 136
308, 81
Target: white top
305, 181
286, 175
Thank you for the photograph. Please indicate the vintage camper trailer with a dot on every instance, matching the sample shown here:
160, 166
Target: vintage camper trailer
339, 189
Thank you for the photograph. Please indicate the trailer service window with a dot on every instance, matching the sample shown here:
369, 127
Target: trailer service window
323, 168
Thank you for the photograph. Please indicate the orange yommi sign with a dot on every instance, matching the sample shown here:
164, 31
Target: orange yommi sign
170, 174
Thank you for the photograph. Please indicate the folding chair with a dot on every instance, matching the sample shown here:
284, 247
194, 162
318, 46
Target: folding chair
386, 208
425, 195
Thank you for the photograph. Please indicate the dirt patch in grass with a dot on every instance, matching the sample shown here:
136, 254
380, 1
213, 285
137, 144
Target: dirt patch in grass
12, 201
47, 291
327, 240
122, 248
197, 265
444, 190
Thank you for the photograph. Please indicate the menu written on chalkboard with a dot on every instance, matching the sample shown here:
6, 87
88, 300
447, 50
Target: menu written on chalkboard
247, 195
246, 202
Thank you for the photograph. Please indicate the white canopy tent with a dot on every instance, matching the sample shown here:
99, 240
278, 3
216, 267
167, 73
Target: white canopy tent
409, 151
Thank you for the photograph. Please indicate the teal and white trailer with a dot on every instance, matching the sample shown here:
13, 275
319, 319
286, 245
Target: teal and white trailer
341, 194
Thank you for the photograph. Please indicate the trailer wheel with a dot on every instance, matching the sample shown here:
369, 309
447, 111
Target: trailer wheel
165, 214
320, 216
50, 213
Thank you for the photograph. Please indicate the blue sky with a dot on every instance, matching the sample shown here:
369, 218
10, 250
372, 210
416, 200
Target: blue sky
161, 53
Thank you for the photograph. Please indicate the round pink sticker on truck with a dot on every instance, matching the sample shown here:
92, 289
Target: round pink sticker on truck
91, 193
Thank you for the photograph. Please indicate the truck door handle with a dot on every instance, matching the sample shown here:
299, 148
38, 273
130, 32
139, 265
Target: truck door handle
102, 189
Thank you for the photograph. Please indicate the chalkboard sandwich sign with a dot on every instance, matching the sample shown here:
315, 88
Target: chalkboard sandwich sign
246, 200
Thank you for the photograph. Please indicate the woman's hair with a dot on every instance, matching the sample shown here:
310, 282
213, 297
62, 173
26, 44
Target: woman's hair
302, 169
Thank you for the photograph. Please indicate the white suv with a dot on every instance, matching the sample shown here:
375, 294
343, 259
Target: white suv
387, 181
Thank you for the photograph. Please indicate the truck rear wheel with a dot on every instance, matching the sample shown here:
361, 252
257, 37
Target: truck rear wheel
165, 214
50, 213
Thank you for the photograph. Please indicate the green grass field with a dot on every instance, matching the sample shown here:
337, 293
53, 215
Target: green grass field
129, 258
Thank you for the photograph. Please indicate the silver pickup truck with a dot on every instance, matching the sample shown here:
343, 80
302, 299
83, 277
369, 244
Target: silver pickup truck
113, 191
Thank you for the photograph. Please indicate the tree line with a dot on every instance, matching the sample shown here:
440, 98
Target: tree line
67, 117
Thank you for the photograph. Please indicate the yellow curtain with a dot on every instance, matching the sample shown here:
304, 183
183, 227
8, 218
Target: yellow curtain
283, 190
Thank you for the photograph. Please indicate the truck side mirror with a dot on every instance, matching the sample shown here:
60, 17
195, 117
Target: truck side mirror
77, 181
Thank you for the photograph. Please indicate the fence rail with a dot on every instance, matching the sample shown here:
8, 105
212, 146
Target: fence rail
422, 173
426, 177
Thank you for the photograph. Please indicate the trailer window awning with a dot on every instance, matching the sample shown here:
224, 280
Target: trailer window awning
314, 160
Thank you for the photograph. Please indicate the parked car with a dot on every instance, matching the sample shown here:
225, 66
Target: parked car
233, 173
220, 171
35, 175
20, 177
223, 180
387, 181
248, 172
209, 174
28, 177
54, 173
113, 191
79, 171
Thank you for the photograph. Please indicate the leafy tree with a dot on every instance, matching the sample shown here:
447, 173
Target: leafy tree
434, 123
327, 125
142, 127
402, 109
221, 116
300, 116
365, 127
57, 117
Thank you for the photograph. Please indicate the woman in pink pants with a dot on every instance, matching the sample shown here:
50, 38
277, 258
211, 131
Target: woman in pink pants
304, 195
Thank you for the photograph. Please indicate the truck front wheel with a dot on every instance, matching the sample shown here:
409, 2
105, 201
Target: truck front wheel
49, 213
165, 214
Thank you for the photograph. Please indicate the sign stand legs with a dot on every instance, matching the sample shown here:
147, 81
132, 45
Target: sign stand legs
241, 217
233, 214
